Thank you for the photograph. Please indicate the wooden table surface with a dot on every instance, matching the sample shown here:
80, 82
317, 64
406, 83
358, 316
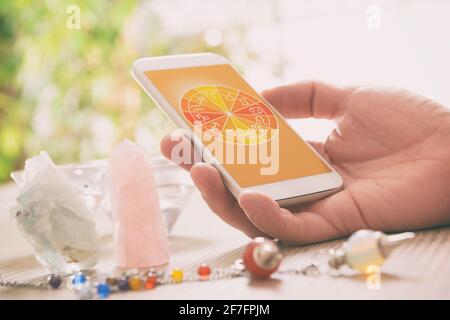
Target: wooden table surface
418, 270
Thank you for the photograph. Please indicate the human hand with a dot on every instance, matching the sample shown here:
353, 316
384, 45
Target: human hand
391, 147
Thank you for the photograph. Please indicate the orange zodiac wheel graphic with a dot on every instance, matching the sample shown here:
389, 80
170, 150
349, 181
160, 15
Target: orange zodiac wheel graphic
218, 109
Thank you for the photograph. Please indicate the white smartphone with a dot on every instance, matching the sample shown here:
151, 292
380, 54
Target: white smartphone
235, 129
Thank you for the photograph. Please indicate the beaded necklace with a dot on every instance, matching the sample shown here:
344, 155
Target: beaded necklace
261, 259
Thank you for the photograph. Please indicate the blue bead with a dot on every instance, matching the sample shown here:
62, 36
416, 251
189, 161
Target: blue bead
79, 279
123, 285
103, 290
54, 281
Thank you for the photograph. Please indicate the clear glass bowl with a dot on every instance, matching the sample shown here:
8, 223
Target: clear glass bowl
91, 180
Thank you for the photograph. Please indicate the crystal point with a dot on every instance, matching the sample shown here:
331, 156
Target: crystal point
139, 233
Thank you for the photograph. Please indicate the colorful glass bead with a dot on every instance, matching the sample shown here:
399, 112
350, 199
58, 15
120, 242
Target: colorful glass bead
262, 257
135, 283
204, 272
123, 285
113, 283
177, 275
151, 281
79, 279
103, 290
54, 281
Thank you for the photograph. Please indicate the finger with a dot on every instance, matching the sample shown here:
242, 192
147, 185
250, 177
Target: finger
279, 223
178, 148
308, 99
220, 200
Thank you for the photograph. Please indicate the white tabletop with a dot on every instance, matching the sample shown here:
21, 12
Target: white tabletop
419, 269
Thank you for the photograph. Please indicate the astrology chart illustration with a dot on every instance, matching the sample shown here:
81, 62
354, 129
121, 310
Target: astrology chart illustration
218, 109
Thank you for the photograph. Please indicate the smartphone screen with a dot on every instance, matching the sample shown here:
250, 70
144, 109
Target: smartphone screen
252, 141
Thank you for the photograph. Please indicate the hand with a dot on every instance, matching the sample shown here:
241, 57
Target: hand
391, 147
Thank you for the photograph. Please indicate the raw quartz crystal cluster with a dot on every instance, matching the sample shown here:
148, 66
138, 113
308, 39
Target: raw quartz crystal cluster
55, 218
138, 228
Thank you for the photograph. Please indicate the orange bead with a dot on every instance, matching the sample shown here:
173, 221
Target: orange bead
204, 272
150, 283
135, 283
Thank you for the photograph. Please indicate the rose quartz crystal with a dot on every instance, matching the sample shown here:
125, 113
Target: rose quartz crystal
138, 227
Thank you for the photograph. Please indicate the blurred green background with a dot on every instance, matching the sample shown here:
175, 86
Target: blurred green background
69, 91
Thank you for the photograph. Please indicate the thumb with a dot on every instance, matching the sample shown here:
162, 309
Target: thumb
267, 216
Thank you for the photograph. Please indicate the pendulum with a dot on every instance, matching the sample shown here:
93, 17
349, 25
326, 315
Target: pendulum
366, 248
204, 272
177, 275
54, 281
262, 257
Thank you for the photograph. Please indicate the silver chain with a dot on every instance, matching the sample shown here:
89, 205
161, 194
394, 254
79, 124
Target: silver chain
165, 277
191, 276
41, 285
